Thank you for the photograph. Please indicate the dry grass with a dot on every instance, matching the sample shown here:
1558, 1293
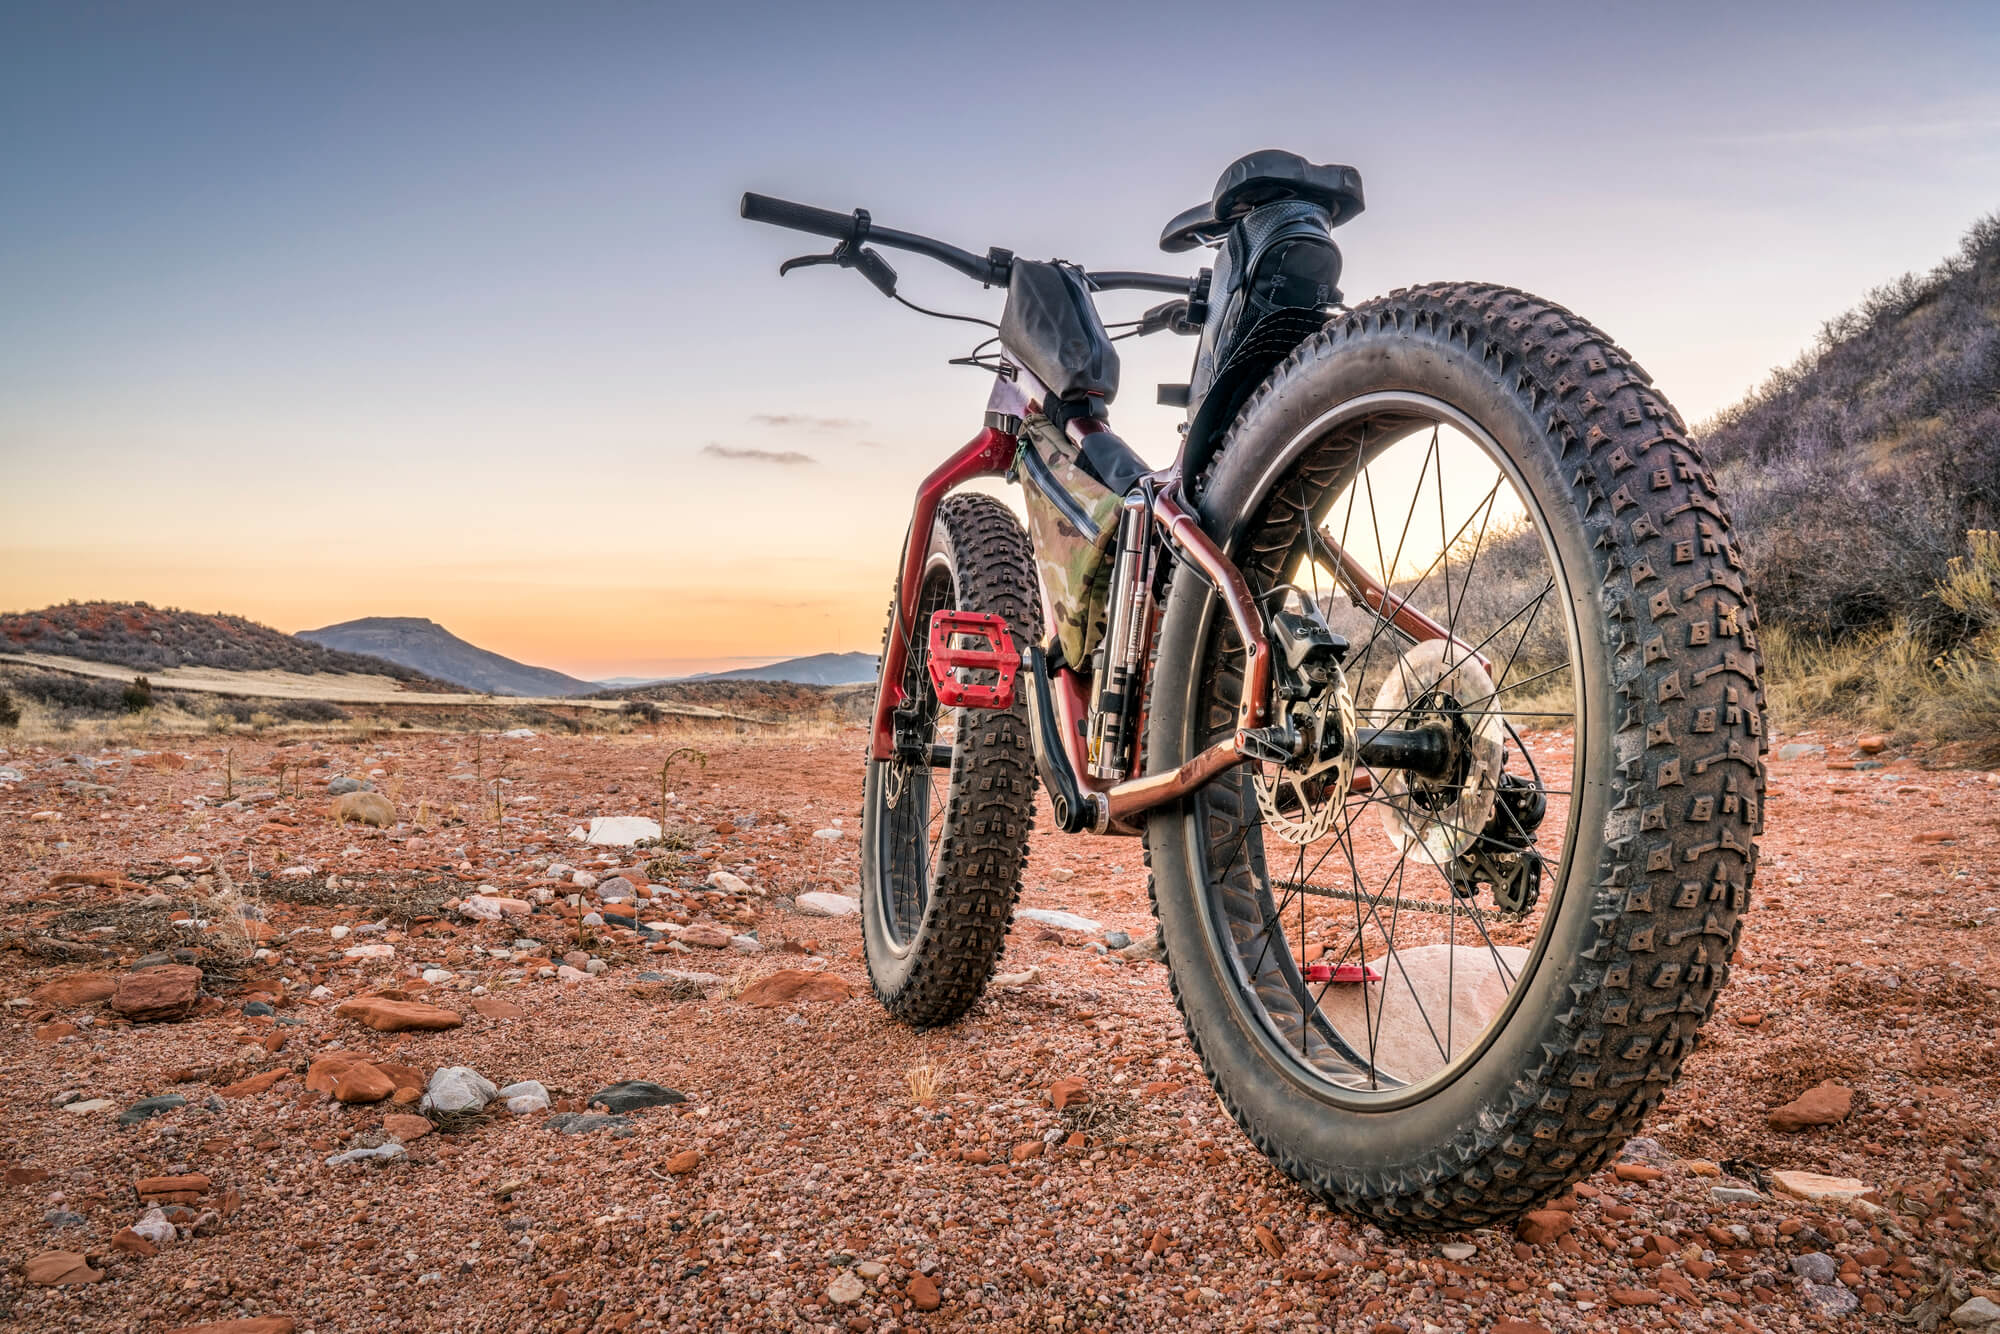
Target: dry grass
928, 1082
1893, 681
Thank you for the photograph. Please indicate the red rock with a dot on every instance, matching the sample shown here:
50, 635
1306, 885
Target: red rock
1064, 1092
385, 1015
1636, 1172
55, 1032
26, 1176
977, 1157
791, 985
493, 1007
131, 1243
405, 1127
402, 1076
77, 989
707, 937
150, 1188
1936, 836
1509, 1325
244, 1088
168, 991
322, 1073
1543, 1226
1268, 1241
270, 1324
59, 1269
683, 1162
362, 1082
1636, 1297
1873, 744
922, 1292
1751, 1020
1824, 1104
1026, 1149
1159, 1088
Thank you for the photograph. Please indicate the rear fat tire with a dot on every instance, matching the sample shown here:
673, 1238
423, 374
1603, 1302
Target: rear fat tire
989, 808
1670, 790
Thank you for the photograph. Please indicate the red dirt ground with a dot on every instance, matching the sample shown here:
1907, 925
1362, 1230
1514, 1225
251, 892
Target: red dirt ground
803, 1155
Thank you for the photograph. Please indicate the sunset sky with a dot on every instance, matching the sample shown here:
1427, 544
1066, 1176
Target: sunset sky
310, 312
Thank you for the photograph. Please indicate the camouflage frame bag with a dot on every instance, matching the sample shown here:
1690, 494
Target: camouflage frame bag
1073, 519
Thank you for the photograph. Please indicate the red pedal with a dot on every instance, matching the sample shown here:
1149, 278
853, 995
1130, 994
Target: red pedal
1347, 972
999, 655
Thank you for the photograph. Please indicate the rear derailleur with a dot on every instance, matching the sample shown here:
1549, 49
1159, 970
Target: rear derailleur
1503, 857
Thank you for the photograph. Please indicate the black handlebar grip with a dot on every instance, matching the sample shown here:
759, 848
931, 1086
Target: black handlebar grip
798, 217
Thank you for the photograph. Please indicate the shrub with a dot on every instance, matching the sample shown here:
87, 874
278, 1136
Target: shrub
10, 712
138, 696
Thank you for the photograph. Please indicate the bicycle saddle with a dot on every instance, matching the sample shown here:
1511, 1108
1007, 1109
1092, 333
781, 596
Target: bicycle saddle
1259, 178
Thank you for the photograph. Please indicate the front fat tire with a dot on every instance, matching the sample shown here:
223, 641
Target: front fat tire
1669, 790
990, 802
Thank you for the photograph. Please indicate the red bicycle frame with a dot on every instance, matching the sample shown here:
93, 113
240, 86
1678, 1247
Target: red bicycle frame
991, 454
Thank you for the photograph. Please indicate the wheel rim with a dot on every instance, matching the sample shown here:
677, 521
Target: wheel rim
911, 802
1357, 903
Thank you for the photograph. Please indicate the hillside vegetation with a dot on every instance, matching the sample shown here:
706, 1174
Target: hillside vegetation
1864, 480
148, 638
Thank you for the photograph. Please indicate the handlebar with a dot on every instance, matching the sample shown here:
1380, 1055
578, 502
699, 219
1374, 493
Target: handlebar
992, 269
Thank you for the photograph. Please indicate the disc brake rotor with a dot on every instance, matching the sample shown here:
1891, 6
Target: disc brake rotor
1428, 687
1299, 803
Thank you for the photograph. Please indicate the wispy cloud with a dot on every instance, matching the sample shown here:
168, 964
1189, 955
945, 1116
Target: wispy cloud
784, 458
796, 421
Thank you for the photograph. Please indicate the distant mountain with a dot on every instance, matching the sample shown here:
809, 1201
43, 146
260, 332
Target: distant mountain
149, 638
428, 647
821, 669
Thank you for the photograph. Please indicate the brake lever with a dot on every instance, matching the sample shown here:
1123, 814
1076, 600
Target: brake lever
1168, 315
850, 256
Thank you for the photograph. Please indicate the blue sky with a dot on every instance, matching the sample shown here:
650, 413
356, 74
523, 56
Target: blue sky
321, 311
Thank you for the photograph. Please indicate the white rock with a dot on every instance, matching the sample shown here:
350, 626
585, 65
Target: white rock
596, 966
10, 775
1979, 1313
340, 932
1814, 1187
519, 734
569, 974
819, 903
88, 1105
620, 831
296, 873
381, 1153
584, 880
479, 908
458, 1088
529, 1095
379, 950
1020, 979
1458, 1250
154, 1227
320, 993
436, 975
830, 835
1061, 921
746, 944
729, 884
845, 1288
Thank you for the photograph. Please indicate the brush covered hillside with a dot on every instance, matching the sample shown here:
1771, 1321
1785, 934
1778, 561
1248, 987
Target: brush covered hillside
1864, 481
156, 639
417, 643
820, 669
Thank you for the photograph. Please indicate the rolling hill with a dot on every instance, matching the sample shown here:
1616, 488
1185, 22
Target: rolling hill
148, 638
820, 669
425, 646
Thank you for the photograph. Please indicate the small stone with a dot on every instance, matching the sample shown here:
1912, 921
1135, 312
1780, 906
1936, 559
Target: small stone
147, 1108
1979, 1313
706, 936
1824, 1104
1873, 744
385, 1015
436, 975
380, 1153
458, 1089
791, 985
845, 1289
1799, 750
1061, 921
274, 1324
525, 1097
1267, 1241
1636, 1172
1458, 1250
922, 1292
85, 1106
819, 903
1540, 1227
730, 884
566, 973
167, 991
1733, 1195
1814, 1187
59, 1269
493, 1007
1815, 1267
632, 1094
830, 835
343, 785
687, 1160
1065, 1092
746, 944
77, 989
360, 1083
585, 1123
404, 1127
1117, 940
